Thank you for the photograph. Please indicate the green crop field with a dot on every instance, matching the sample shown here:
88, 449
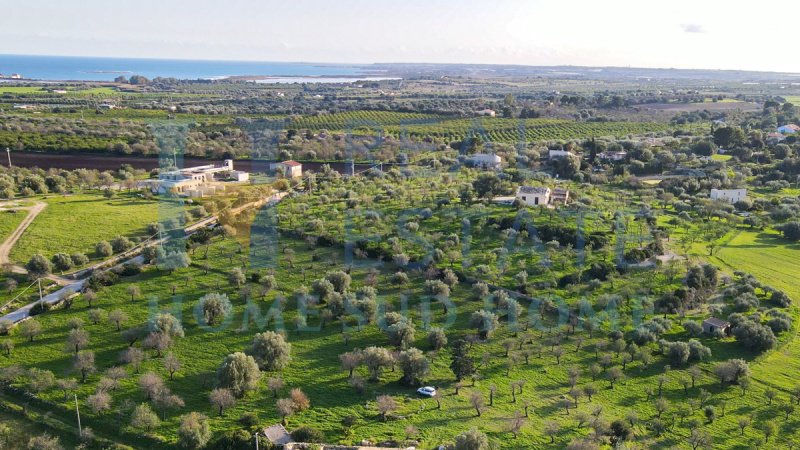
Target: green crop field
492, 129
76, 223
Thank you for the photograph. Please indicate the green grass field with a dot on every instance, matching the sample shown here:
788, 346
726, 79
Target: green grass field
76, 223
315, 365
315, 368
19, 89
775, 262
9, 221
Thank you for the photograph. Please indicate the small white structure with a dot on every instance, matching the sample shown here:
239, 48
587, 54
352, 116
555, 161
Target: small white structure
559, 154
289, 169
729, 195
16, 76
788, 129
486, 112
613, 156
107, 105
486, 160
712, 324
534, 196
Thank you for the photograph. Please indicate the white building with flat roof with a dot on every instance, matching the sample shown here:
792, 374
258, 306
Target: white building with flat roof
559, 154
729, 195
486, 160
199, 180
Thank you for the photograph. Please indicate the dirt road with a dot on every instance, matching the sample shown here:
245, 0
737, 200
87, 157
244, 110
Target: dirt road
5, 247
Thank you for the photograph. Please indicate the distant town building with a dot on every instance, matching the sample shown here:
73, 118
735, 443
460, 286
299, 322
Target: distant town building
486, 112
729, 195
559, 154
534, 196
15, 76
712, 324
485, 160
289, 169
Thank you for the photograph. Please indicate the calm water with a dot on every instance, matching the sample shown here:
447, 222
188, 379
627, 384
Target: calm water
106, 69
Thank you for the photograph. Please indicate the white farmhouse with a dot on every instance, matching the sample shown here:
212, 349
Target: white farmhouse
290, 169
485, 160
729, 195
533, 196
486, 112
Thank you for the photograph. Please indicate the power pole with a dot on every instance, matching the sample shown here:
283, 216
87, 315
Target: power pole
256, 436
8, 151
41, 298
78, 412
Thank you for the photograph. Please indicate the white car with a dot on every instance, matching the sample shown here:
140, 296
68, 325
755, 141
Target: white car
427, 391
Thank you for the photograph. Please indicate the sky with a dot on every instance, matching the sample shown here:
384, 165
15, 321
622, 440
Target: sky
703, 34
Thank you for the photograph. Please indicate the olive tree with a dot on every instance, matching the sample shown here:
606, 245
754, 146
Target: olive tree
239, 373
270, 350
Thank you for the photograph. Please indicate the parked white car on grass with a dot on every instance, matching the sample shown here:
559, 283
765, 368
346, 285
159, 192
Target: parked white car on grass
427, 391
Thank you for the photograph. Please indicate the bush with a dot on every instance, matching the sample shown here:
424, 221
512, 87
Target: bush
120, 244
248, 420
103, 249
308, 434
39, 308
693, 328
754, 335
38, 266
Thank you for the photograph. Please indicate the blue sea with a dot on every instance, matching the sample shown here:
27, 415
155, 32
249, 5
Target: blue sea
106, 69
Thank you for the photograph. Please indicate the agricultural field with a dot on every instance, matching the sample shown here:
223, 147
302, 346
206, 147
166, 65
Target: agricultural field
491, 129
75, 223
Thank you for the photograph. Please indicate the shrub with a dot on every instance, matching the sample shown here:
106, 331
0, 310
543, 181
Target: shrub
103, 249
693, 328
308, 434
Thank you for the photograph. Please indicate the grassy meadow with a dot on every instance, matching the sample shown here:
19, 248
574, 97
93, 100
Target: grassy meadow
75, 223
